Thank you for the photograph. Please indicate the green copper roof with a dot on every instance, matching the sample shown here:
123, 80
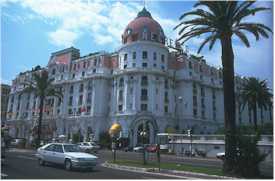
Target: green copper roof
144, 13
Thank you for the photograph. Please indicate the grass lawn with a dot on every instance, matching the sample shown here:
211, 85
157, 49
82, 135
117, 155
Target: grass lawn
171, 166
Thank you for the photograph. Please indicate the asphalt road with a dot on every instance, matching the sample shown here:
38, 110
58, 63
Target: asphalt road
22, 165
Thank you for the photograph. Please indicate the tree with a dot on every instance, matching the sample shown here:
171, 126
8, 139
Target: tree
220, 21
255, 93
42, 87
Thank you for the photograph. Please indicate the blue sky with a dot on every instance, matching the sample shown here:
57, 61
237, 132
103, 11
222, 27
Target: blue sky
32, 29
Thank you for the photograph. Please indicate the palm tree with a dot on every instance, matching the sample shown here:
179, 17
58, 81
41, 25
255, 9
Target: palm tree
220, 21
42, 87
255, 93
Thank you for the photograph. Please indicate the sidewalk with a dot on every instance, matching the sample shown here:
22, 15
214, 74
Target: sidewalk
21, 150
165, 172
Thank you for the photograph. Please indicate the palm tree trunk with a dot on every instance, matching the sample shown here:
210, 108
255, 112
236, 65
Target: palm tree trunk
229, 103
262, 117
255, 120
40, 121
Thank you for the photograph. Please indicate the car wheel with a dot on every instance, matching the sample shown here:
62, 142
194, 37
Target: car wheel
68, 164
41, 162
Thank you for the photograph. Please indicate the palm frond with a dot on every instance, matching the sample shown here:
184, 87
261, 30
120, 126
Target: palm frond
53, 92
212, 6
243, 6
242, 37
209, 38
198, 12
248, 12
213, 41
193, 33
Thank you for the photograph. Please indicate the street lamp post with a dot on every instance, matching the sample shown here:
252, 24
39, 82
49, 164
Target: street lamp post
113, 137
143, 135
113, 131
189, 133
177, 109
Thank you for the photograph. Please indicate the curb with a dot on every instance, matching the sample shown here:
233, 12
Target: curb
166, 172
141, 170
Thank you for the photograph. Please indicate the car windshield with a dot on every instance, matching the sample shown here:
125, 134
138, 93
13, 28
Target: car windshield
86, 144
71, 148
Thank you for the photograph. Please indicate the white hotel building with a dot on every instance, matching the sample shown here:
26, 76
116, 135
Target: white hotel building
143, 82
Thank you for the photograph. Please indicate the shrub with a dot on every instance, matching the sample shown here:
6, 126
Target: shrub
76, 138
248, 156
105, 139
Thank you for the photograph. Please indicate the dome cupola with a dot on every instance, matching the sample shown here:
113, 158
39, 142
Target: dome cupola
143, 28
144, 13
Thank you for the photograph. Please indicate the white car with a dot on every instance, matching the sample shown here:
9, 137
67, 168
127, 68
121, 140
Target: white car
65, 154
220, 155
88, 146
138, 149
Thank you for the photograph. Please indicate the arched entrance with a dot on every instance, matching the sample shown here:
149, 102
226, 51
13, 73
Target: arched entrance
141, 137
143, 131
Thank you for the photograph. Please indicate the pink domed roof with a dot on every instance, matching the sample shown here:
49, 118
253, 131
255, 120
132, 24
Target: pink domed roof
143, 27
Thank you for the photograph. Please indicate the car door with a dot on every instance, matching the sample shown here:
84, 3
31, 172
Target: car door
58, 154
47, 152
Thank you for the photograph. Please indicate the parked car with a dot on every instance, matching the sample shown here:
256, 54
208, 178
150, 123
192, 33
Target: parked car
65, 154
138, 149
188, 153
88, 147
127, 148
18, 143
220, 155
201, 153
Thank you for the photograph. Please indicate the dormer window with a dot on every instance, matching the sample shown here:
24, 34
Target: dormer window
129, 31
144, 33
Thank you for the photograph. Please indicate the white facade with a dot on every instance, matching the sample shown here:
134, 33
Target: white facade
142, 84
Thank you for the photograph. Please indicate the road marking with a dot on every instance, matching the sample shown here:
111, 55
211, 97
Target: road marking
26, 157
147, 178
3, 175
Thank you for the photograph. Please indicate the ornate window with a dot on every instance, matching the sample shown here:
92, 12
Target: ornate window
144, 81
144, 96
121, 82
155, 56
144, 55
81, 88
80, 100
143, 107
120, 95
71, 89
